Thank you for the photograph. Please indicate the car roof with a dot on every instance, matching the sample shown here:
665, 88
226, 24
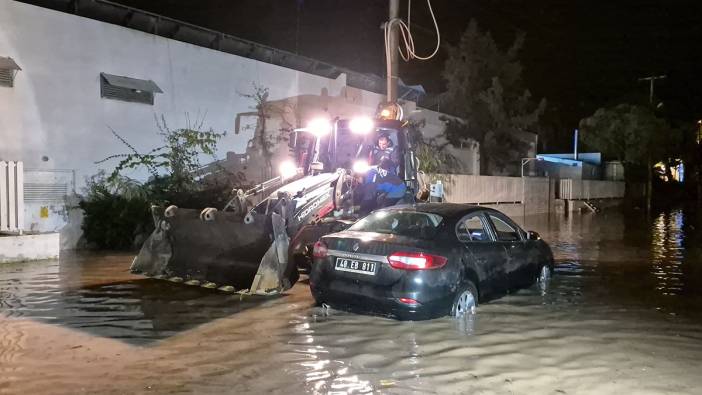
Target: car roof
446, 210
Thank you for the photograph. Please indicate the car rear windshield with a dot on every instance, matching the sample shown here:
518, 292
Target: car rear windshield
402, 223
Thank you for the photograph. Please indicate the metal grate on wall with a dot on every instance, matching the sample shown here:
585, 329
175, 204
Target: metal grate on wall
128, 89
7, 77
45, 193
108, 91
8, 69
48, 186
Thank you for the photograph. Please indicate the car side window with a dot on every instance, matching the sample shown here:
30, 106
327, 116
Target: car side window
471, 228
505, 231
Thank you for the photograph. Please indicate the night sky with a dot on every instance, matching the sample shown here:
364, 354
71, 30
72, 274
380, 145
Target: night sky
580, 55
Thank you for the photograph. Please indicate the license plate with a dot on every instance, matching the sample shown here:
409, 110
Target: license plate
354, 266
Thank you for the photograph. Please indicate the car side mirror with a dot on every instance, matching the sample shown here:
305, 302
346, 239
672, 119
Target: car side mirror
292, 140
531, 235
410, 166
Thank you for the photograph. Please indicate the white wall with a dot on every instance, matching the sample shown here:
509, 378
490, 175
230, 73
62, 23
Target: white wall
55, 109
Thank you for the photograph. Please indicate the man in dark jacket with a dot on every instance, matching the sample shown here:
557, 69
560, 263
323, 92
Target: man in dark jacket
384, 155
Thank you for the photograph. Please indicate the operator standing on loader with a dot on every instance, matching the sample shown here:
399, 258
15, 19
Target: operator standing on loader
384, 154
382, 180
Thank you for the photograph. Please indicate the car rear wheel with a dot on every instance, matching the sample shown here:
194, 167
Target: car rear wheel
318, 301
466, 301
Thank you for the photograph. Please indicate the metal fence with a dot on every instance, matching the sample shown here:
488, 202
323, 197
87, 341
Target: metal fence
11, 196
590, 189
479, 189
529, 190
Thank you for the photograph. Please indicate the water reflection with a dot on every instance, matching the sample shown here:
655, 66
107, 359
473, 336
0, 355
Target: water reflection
667, 252
137, 311
321, 373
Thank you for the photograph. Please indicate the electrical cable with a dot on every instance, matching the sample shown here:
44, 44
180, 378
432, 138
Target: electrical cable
407, 38
406, 32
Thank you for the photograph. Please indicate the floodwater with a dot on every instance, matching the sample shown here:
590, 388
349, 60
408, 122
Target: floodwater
623, 314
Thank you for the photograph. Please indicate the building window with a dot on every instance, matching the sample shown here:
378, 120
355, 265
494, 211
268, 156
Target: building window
128, 89
8, 69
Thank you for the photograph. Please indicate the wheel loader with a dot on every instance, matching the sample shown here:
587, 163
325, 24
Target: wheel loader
259, 250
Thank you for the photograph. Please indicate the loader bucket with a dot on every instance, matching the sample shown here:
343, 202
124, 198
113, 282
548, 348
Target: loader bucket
219, 250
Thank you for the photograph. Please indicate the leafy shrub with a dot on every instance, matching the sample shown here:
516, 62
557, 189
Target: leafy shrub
117, 209
114, 215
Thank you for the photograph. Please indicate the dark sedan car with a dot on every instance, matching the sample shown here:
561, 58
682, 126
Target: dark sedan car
427, 260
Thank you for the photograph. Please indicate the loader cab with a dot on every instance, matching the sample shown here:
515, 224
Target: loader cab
302, 148
310, 151
326, 145
353, 149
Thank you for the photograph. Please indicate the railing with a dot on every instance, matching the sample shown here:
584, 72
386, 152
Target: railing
11, 197
590, 189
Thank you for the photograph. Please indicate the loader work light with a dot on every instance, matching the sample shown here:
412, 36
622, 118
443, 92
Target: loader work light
319, 126
390, 111
361, 125
360, 167
287, 169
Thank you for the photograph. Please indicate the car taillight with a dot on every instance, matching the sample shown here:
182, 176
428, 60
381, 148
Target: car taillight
320, 250
408, 301
416, 261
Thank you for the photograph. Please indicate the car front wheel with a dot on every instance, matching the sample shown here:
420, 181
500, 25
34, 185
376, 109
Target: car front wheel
466, 300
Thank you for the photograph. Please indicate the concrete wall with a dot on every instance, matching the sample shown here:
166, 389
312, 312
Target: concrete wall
29, 247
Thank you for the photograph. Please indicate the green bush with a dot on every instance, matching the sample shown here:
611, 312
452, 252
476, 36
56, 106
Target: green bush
114, 218
117, 209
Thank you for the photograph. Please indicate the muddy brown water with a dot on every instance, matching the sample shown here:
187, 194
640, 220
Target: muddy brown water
622, 314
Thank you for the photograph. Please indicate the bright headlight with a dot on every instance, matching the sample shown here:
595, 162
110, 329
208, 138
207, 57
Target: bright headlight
319, 126
361, 125
287, 169
360, 167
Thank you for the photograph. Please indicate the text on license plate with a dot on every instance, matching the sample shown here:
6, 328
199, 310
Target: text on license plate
354, 266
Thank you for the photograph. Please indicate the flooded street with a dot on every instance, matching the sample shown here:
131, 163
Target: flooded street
622, 314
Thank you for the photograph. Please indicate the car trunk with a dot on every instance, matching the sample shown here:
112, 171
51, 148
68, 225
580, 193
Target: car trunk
349, 251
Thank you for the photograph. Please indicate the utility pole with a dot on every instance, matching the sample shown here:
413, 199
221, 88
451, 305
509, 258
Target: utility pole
393, 44
652, 79
649, 182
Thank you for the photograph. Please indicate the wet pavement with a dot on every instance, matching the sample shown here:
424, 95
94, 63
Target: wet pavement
622, 314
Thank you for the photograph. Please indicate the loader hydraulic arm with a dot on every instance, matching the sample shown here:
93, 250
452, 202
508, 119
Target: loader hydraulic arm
238, 202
